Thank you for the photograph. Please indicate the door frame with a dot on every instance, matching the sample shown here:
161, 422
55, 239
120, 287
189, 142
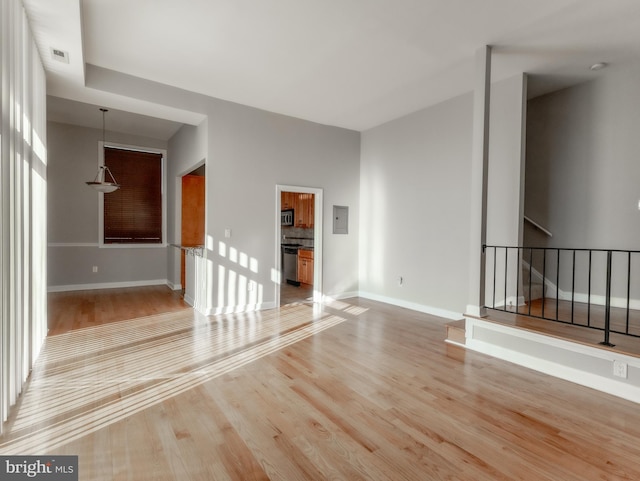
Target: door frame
317, 237
177, 228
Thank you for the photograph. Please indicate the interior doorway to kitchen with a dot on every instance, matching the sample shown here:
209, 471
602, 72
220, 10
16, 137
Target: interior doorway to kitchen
299, 244
192, 215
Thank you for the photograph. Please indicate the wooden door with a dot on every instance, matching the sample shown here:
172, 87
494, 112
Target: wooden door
192, 215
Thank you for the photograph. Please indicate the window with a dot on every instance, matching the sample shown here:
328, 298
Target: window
133, 214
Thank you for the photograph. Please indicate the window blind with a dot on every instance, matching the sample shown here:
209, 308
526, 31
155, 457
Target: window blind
133, 213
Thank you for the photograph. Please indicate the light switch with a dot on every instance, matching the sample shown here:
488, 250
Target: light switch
227, 232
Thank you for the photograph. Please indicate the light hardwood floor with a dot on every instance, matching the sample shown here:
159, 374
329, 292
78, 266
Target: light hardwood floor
355, 390
581, 315
290, 294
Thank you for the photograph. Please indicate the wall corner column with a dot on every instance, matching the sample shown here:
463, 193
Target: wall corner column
479, 178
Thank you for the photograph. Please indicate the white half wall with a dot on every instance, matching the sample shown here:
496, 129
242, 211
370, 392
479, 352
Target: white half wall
578, 363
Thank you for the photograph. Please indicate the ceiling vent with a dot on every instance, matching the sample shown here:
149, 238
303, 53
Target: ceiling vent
60, 55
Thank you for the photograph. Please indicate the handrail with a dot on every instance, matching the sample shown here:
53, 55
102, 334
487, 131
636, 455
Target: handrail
594, 283
537, 226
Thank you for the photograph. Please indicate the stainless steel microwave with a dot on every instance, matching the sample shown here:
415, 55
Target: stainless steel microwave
286, 217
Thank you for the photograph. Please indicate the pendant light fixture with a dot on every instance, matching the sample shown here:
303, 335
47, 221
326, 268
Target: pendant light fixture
100, 183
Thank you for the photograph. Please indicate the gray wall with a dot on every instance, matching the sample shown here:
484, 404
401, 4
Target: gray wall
582, 168
72, 210
415, 179
505, 186
582, 162
248, 152
406, 183
251, 151
415, 176
187, 149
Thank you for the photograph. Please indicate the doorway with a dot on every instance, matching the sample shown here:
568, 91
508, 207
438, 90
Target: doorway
193, 212
299, 244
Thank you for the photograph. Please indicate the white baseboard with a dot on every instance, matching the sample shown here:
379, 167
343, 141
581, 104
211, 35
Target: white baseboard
454, 343
477, 311
578, 363
333, 297
174, 287
595, 299
188, 299
434, 311
106, 285
510, 302
598, 300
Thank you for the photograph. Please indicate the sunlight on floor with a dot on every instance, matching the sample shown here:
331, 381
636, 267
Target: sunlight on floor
89, 378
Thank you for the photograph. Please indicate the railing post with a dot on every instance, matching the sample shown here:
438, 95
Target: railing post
495, 255
518, 269
607, 311
589, 292
530, 271
544, 278
506, 274
573, 283
626, 330
557, 282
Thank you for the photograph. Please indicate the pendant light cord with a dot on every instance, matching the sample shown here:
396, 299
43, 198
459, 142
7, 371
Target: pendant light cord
104, 111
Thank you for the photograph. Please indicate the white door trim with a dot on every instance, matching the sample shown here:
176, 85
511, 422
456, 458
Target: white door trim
317, 237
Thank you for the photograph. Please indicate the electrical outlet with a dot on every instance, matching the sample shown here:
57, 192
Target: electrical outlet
620, 369
95, 269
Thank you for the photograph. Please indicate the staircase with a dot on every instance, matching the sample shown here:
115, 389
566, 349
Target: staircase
537, 286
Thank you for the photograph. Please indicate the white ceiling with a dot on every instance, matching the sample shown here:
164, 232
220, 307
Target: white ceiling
349, 63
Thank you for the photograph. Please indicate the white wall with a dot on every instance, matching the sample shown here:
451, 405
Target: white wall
415, 173
72, 210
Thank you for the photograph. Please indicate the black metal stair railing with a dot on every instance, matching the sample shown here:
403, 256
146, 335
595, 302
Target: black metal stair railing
593, 288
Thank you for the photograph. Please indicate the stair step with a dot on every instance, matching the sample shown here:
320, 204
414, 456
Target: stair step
537, 288
537, 291
456, 332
